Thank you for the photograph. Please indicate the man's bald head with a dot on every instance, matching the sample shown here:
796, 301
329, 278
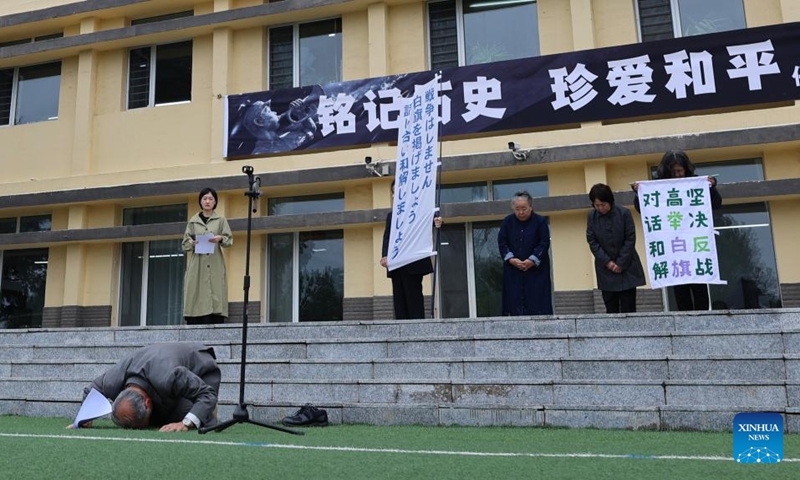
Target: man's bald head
132, 408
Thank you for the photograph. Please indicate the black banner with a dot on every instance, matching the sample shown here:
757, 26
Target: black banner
742, 67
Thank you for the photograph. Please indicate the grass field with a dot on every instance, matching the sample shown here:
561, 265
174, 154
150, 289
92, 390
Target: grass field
41, 448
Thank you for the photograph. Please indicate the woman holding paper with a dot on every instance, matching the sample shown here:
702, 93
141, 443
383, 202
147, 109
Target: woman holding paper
205, 285
676, 164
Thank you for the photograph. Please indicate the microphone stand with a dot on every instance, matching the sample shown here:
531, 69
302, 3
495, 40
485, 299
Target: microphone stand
240, 414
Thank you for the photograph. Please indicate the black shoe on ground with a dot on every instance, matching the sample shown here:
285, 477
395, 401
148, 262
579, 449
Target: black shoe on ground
307, 416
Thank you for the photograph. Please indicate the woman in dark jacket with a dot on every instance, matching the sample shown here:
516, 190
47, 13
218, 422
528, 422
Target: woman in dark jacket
611, 235
676, 164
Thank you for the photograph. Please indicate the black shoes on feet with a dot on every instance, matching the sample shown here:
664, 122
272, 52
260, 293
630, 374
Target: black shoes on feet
307, 416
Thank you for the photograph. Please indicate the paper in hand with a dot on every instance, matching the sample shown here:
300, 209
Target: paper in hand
204, 245
96, 405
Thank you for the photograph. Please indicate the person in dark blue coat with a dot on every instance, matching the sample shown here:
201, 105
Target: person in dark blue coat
524, 241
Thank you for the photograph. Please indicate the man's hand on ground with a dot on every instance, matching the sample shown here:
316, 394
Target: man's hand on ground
174, 427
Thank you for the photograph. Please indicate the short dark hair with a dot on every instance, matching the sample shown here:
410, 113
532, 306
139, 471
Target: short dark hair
602, 192
136, 401
205, 192
672, 158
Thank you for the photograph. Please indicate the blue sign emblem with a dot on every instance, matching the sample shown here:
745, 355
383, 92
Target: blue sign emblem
758, 438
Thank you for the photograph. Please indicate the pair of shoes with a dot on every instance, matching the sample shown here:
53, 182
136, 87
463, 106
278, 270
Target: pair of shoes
307, 416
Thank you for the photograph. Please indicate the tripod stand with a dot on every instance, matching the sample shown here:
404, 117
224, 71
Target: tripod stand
240, 414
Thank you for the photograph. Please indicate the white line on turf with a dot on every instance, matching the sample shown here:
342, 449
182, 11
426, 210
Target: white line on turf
382, 450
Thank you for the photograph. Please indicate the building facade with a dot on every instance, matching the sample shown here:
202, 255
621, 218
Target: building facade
115, 114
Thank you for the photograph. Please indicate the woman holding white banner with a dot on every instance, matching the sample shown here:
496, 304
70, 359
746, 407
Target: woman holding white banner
611, 235
676, 164
524, 242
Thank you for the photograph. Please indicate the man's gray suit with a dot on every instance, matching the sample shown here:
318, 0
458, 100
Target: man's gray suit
180, 378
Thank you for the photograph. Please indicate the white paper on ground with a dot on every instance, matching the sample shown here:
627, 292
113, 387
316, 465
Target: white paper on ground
204, 245
96, 405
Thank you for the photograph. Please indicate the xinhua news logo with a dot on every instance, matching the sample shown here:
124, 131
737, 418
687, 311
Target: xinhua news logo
758, 438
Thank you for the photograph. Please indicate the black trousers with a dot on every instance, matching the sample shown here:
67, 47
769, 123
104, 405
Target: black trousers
620, 302
407, 296
205, 319
691, 297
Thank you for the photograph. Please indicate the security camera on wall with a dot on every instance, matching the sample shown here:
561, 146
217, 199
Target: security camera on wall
377, 168
519, 155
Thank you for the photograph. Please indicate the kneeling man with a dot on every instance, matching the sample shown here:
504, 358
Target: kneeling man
173, 386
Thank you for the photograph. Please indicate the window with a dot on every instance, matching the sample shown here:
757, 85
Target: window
22, 287
470, 32
29, 94
505, 189
305, 54
151, 287
665, 19
329, 202
162, 18
33, 223
160, 75
23, 41
464, 192
306, 276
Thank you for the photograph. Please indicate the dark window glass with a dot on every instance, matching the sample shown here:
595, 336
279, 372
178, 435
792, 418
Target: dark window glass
281, 274
173, 73
162, 18
35, 223
280, 58
51, 36
6, 89
321, 52
488, 269
150, 215
11, 43
443, 34
655, 20
38, 89
139, 78
505, 189
321, 289
733, 171
332, 202
8, 225
710, 16
464, 192
746, 259
495, 31
130, 301
23, 286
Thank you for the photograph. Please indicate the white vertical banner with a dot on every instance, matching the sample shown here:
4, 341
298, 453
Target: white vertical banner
415, 177
679, 232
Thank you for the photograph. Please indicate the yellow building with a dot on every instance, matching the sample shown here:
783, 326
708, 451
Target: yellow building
114, 118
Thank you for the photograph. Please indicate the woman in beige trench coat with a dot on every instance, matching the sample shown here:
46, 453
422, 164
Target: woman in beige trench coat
205, 285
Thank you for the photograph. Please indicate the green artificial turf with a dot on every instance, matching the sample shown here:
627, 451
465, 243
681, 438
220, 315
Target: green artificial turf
45, 449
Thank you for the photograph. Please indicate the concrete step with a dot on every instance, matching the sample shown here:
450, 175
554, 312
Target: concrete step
547, 345
632, 393
672, 367
776, 320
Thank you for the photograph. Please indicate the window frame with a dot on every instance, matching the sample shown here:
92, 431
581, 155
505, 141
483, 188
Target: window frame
296, 50
675, 14
151, 85
461, 32
12, 111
